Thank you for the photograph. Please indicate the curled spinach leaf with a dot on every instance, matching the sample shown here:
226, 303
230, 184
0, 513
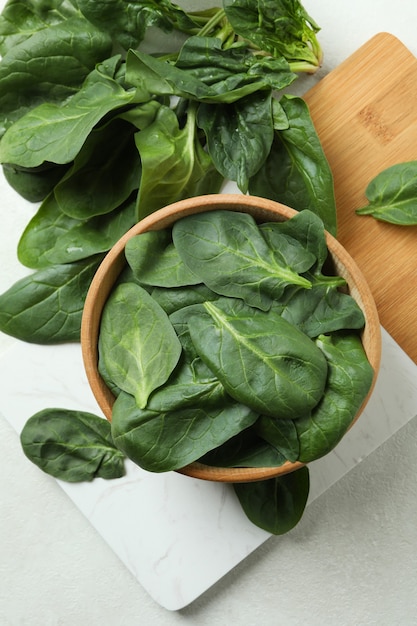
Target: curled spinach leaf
74, 446
34, 184
56, 132
174, 163
104, 174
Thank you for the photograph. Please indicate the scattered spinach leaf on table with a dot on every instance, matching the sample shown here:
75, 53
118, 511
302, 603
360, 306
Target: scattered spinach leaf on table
73, 446
46, 306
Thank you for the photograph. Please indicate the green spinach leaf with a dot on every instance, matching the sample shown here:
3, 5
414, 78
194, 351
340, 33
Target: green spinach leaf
105, 172
325, 310
53, 238
277, 504
35, 183
46, 306
47, 66
160, 441
174, 164
155, 260
261, 359
280, 27
304, 231
212, 241
281, 434
239, 135
176, 298
137, 344
73, 446
127, 21
246, 449
296, 171
19, 20
56, 132
349, 380
392, 195
235, 73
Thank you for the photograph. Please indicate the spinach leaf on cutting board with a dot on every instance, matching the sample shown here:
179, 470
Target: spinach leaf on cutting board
392, 195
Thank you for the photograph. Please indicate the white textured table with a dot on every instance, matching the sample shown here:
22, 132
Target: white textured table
75, 555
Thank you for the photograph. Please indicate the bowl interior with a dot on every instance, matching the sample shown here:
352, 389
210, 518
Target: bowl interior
262, 210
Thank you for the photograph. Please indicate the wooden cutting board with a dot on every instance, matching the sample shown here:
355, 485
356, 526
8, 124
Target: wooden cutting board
365, 112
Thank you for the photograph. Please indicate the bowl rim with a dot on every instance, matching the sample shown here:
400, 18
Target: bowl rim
114, 261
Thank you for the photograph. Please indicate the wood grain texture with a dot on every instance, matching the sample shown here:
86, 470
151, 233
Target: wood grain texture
365, 112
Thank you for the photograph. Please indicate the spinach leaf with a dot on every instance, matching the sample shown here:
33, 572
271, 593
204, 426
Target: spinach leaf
35, 183
47, 66
53, 238
19, 20
349, 380
105, 172
280, 27
137, 343
239, 135
277, 504
296, 171
174, 164
155, 260
176, 298
127, 21
245, 449
392, 195
46, 306
236, 73
212, 241
74, 446
325, 310
56, 132
231, 68
281, 434
261, 359
161, 441
305, 229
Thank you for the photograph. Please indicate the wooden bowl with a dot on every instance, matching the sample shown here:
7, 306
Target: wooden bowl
262, 210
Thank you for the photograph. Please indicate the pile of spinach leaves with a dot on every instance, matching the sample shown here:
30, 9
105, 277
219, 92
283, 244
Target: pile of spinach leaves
224, 342
246, 343
101, 132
